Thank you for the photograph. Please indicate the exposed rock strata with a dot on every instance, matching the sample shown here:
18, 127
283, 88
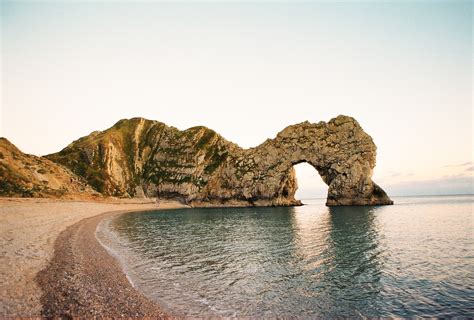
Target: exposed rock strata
140, 157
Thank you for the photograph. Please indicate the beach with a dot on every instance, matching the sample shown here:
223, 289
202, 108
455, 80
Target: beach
29, 230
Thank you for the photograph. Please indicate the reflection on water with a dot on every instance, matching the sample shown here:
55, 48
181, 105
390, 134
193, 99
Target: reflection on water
415, 258
355, 264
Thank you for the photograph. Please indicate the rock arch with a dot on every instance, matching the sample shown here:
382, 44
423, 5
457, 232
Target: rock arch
310, 183
143, 157
341, 152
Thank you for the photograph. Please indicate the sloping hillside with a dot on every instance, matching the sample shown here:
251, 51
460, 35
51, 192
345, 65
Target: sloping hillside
139, 156
24, 175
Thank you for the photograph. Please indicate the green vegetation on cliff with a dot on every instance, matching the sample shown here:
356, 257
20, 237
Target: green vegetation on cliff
23, 175
143, 153
143, 157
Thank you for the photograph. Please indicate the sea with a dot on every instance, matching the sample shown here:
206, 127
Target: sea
415, 258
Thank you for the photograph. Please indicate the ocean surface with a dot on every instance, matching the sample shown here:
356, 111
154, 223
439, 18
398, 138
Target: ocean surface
413, 258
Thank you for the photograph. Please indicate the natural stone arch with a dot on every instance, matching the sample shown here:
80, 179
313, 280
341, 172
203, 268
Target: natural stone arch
309, 181
341, 152
198, 166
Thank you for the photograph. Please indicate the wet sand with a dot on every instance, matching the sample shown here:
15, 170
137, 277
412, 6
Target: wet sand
79, 277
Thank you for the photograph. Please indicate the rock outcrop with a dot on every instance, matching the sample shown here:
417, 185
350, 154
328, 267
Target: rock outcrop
24, 175
140, 157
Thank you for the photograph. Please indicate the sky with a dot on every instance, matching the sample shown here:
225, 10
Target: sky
247, 70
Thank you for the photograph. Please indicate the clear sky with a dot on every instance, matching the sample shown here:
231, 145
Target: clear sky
247, 70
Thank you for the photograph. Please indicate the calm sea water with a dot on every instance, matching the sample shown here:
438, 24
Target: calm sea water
413, 258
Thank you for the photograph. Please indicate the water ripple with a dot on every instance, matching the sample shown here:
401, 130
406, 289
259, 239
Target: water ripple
311, 261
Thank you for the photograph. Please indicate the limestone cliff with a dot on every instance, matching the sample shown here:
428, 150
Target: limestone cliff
24, 175
140, 157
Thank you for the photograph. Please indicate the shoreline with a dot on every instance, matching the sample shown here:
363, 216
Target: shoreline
30, 233
30, 229
84, 280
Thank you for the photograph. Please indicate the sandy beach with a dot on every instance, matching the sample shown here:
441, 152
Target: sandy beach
29, 229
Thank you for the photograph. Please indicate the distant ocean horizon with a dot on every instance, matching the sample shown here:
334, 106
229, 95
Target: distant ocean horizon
399, 196
414, 258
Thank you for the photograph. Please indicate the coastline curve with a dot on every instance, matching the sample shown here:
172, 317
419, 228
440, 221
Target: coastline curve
84, 280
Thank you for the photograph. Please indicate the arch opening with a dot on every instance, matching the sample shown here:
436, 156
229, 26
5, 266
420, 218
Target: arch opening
310, 183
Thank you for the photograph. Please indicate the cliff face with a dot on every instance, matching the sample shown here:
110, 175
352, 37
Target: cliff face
139, 157
24, 175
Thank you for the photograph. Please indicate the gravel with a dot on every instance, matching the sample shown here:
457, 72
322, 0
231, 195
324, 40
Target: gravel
83, 280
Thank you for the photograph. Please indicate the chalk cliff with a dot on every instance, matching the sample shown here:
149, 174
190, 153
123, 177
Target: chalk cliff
144, 158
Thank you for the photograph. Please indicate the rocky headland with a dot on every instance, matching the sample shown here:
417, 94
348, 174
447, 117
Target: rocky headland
140, 158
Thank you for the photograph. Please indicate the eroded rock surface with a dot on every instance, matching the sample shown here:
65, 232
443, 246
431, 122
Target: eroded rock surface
25, 175
140, 157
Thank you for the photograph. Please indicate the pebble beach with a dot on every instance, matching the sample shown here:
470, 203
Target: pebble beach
48, 244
